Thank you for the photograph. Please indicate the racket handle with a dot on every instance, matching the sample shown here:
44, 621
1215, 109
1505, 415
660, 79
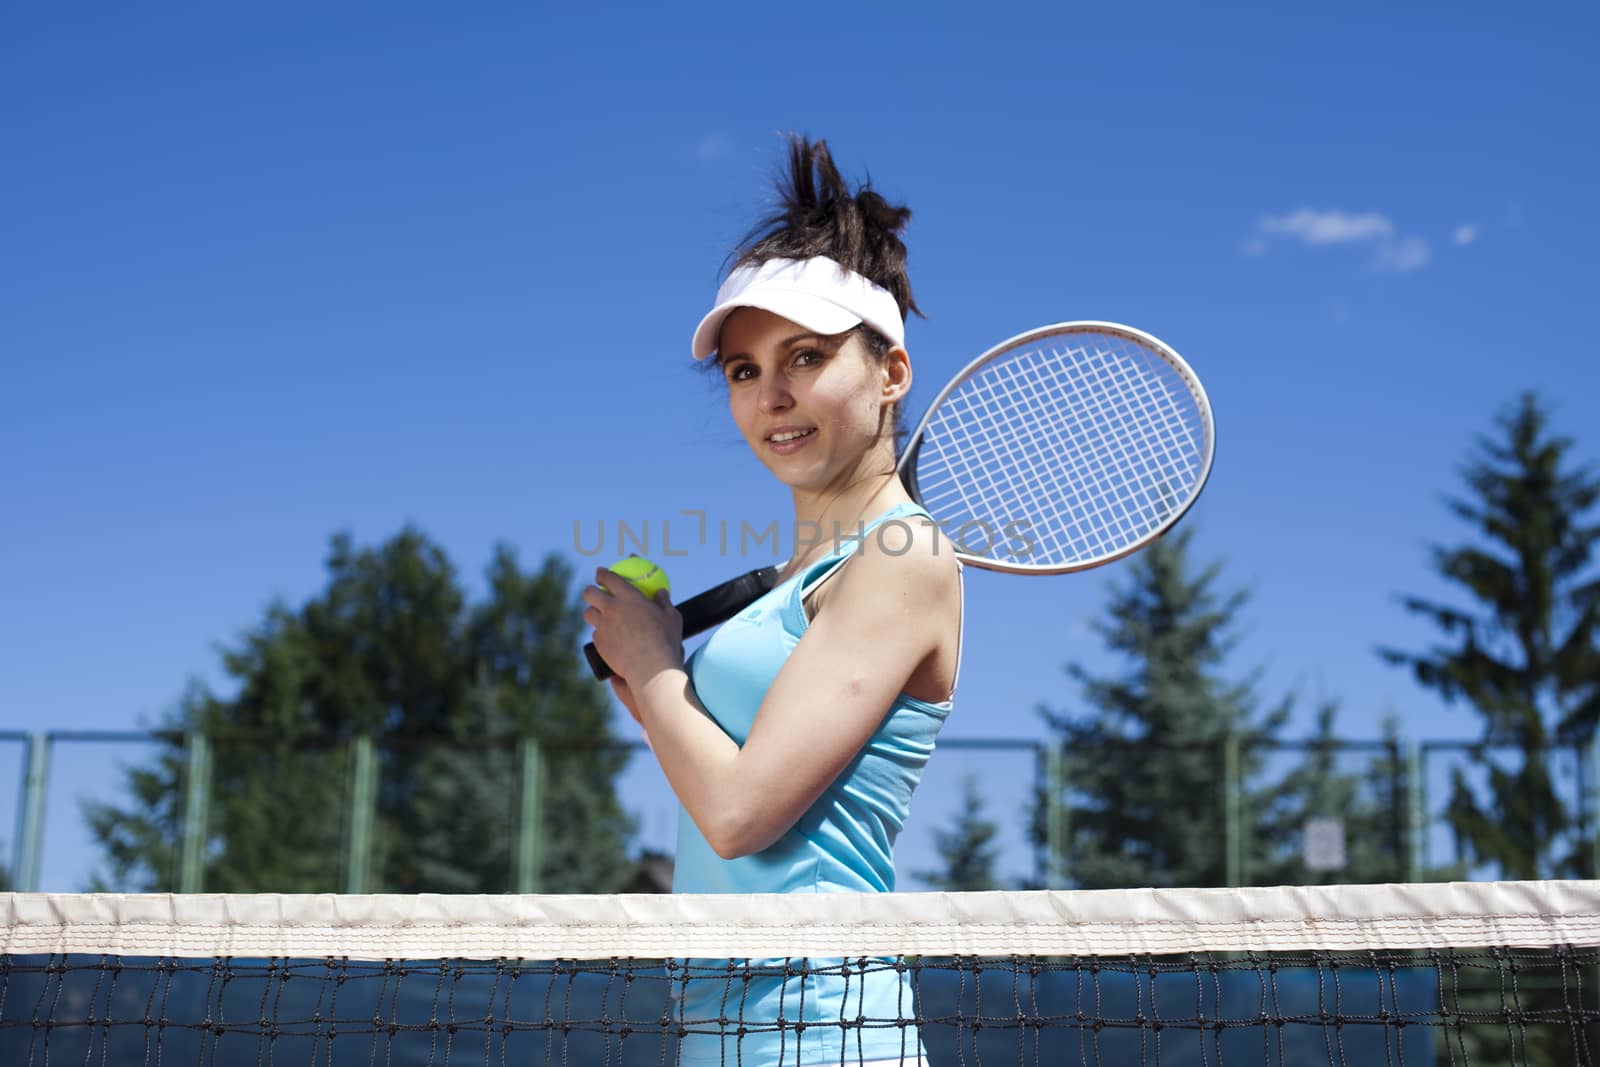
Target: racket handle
704, 610
597, 666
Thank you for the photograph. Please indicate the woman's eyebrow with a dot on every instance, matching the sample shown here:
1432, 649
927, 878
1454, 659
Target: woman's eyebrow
787, 342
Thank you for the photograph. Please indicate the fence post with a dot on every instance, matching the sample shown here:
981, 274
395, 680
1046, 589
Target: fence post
530, 820
363, 797
1416, 815
1055, 814
30, 813
1232, 811
196, 795
1591, 780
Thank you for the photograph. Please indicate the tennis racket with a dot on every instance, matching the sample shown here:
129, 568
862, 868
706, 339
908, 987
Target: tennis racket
1061, 449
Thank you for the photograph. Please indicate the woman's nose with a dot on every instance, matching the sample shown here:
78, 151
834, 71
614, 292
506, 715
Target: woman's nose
774, 394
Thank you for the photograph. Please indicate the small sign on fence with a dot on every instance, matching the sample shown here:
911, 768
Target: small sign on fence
1323, 845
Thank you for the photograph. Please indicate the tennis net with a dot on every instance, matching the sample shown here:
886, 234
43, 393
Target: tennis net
1482, 973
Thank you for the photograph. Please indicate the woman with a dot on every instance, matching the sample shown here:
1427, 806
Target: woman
795, 735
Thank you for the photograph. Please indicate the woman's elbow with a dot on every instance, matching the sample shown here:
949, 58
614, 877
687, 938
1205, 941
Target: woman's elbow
730, 848
742, 833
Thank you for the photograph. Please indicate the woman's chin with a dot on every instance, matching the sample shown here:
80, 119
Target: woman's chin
797, 476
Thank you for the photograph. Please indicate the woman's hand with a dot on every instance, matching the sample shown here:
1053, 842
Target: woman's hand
619, 686
625, 695
638, 637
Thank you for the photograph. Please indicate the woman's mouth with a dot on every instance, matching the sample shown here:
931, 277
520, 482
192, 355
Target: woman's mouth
786, 441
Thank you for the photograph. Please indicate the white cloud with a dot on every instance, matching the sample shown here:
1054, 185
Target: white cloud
1328, 227
1465, 234
1408, 253
1333, 227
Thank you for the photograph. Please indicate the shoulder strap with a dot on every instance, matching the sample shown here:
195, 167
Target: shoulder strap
819, 572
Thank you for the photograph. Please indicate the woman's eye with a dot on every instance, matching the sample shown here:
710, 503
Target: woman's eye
807, 356
739, 372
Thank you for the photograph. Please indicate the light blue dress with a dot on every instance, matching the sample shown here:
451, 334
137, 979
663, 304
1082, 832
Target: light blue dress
843, 844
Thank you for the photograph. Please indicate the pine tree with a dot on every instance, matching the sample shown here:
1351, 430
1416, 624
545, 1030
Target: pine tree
1145, 770
1368, 801
967, 846
389, 649
1524, 657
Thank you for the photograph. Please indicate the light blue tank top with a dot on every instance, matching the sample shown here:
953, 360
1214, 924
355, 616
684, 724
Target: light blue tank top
843, 844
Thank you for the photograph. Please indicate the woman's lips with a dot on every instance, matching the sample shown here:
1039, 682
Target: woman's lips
790, 439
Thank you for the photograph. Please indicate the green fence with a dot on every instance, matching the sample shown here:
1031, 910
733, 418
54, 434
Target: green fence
529, 798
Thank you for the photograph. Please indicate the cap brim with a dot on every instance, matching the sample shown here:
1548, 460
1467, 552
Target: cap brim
803, 309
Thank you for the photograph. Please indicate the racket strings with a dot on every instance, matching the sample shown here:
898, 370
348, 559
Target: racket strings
1126, 428
1127, 424
1075, 449
1048, 446
993, 492
990, 493
1089, 518
1129, 458
1078, 522
1072, 521
1172, 429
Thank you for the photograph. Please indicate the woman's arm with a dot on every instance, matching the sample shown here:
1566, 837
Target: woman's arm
884, 616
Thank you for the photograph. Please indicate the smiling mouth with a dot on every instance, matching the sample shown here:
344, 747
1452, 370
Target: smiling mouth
788, 442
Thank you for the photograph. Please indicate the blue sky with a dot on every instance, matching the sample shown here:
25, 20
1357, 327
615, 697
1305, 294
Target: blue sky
275, 271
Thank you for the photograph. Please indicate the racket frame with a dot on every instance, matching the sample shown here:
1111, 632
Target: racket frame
906, 468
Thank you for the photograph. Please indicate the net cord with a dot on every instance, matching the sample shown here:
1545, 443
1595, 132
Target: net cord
1027, 923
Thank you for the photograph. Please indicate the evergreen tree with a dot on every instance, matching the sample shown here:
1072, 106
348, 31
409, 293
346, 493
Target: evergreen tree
967, 846
1524, 657
1369, 802
1145, 770
389, 649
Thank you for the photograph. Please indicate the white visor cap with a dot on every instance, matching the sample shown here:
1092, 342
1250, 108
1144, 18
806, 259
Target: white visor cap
816, 293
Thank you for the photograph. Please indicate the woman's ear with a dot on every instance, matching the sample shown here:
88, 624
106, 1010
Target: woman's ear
897, 375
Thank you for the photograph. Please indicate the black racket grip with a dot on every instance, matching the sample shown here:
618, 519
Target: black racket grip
704, 610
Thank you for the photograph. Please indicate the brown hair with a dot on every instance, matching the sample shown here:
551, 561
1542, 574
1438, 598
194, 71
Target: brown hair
818, 214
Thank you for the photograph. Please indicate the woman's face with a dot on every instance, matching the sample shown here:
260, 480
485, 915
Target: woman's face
809, 406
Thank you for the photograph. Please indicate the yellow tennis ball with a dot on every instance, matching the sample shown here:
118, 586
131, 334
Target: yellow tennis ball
642, 575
